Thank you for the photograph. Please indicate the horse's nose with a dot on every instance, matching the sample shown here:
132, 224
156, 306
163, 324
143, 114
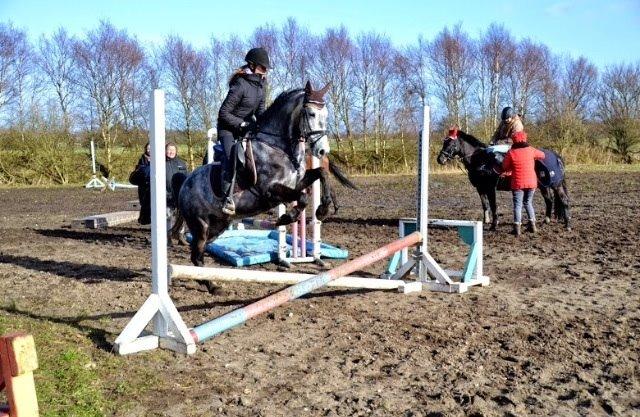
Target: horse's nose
321, 153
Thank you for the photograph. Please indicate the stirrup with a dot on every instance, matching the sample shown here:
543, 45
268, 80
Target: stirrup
229, 207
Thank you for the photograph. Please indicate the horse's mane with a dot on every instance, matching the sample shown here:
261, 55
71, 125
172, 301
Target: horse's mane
281, 101
472, 140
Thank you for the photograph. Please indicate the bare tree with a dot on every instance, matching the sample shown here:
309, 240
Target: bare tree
413, 67
294, 55
383, 72
97, 58
334, 63
579, 86
25, 81
185, 69
530, 65
452, 57
619, 108
224, 57
130, 65
19, 84
267, 37
9, 44
551, 99
205, 90
497, 50
364, 60
56, 62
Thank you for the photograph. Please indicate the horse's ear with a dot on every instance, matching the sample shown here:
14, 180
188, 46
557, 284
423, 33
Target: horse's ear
325, 89
308, 88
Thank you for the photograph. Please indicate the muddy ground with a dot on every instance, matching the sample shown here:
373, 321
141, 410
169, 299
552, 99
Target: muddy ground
556, 333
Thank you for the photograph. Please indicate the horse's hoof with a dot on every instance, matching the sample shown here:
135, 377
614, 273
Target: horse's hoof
322, 212
493, 228
208, 285
284, 220
547, 220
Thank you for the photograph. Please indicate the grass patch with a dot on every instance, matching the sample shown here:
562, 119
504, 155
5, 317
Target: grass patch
75, 377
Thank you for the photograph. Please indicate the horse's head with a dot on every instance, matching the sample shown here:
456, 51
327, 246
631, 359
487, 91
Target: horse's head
313, 120
450, 147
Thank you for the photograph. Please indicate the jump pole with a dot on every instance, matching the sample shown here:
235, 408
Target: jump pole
169, 330
188, 272
234, 318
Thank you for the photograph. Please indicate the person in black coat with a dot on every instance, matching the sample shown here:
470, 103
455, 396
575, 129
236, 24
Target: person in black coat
243, 104
141, 176
174, 165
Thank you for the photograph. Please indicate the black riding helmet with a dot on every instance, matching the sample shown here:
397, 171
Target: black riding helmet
507, 113
258, 56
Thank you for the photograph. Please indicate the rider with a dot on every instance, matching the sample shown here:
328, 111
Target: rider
239, 110
510, 123
501, 141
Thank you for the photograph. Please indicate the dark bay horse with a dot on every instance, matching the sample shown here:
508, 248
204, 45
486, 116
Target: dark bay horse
474, 156
296, 120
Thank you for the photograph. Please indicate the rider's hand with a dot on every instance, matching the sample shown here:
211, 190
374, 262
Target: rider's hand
247, 127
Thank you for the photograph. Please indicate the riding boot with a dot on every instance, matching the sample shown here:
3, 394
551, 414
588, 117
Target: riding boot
228, 206
516, 229
532, 227
228, 184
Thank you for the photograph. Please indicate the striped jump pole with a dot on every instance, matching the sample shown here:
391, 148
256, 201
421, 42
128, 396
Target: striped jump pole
216, 326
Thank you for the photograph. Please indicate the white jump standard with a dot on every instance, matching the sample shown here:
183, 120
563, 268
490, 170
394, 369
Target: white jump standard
169, 331
429, 271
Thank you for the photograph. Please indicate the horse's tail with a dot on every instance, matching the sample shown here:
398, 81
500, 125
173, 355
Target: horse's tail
341, 176
176, 184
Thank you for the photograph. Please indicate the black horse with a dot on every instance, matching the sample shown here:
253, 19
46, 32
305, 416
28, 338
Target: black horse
295, 121
475, 158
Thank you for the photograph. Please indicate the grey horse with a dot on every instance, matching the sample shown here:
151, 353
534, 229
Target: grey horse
294, 123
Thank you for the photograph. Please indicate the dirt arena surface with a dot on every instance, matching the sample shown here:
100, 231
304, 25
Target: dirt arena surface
556, 333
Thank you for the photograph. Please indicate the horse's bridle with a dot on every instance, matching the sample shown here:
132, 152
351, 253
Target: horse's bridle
306, 133
450, 155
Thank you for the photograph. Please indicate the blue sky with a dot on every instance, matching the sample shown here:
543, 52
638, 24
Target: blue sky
606, 32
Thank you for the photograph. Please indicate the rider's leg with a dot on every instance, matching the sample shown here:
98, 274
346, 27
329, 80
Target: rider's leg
228, 176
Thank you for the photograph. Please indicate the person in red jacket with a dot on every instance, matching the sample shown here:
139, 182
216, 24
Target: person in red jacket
520, 161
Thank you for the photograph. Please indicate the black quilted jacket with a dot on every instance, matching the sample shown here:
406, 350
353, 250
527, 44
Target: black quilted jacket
245, 99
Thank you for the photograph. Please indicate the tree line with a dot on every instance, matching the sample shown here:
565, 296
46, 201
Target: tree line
100, 82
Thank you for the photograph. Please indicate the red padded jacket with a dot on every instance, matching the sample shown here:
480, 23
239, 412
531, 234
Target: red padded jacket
520, 160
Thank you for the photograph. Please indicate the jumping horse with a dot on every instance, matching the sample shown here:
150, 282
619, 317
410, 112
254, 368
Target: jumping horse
294, 123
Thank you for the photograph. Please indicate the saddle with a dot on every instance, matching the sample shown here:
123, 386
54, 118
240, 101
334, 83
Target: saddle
245, 166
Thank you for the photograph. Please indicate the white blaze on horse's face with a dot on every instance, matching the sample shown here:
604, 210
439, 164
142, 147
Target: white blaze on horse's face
319, 142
